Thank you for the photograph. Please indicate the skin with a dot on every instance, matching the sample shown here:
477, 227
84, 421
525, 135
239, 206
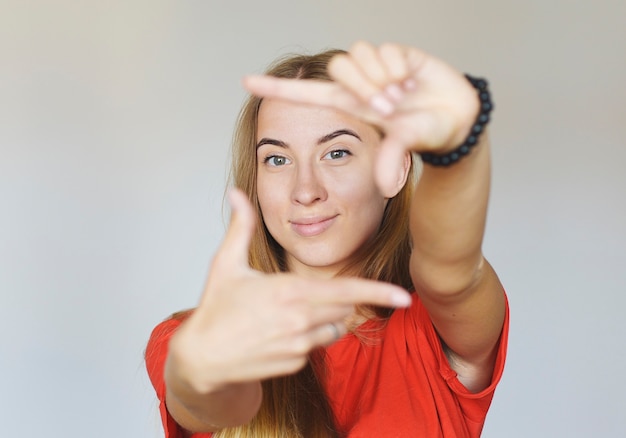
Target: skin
422, 104
316, 185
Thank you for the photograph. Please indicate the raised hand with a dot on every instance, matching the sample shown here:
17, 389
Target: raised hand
421, 103
250, 326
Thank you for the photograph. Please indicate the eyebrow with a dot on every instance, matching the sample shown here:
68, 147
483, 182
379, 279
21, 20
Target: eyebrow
336, 134
321, 140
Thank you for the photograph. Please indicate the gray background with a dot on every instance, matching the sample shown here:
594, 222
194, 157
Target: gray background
115, 124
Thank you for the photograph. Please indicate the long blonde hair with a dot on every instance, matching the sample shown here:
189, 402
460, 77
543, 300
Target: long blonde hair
296, 405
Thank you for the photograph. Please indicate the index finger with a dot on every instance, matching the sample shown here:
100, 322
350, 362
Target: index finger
311, 92
307, 91
360, 291
303, 91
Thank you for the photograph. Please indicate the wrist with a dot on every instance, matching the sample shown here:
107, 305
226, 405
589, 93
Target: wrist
476, 130
185, 371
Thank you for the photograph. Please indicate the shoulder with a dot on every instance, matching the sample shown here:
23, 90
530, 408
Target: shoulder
414, 328
165, 329
157, 347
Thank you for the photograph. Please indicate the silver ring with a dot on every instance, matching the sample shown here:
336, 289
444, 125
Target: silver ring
335, 330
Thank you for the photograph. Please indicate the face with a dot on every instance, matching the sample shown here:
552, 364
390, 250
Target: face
316, 185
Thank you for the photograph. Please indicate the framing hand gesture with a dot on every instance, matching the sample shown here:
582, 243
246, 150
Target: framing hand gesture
251, 326
421, 103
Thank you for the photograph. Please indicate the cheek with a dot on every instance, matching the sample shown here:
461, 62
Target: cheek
364, 203
357, 188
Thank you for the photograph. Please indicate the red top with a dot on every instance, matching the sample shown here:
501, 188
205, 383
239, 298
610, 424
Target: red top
395, 383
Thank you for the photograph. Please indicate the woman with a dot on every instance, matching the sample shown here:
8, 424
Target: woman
305, 327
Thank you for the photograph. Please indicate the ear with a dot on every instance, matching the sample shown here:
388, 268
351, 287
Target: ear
401, 177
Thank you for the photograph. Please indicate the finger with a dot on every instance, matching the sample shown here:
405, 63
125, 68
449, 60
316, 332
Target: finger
301, 345
323, 314
358, 291
310, 92
234, 249
328, 333
416, 60
365, 56
394, 59
396, 65
386, 67
389, 166
295, 314
345, 71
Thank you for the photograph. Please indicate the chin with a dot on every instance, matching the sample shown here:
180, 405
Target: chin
328, 263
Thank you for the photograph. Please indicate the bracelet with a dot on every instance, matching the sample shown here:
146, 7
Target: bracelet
472, 139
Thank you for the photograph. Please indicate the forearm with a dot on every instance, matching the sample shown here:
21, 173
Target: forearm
448, 215
210, 408
458, 286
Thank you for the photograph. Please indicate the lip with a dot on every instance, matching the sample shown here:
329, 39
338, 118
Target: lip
312, 226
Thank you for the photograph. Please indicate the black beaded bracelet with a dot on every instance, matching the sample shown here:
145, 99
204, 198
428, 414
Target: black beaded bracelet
472, 139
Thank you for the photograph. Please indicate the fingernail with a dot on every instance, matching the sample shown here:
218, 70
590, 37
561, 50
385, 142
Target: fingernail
395, 92
381, 104
410, 84
401, 299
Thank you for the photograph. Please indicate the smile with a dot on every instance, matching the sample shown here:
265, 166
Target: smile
311, 227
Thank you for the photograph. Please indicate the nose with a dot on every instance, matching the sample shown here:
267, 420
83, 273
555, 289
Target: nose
308, 187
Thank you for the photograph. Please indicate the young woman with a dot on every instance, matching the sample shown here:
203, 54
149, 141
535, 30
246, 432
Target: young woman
346, 300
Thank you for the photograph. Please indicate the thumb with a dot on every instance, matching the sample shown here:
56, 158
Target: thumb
390, 167
233, 252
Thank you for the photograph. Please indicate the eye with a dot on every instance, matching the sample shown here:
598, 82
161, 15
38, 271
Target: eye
337, 154
276, 160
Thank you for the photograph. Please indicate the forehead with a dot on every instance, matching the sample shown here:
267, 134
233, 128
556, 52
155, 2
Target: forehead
282, 120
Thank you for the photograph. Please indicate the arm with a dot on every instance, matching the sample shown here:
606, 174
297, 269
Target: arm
251, 326
424, 105
213, 409
457, 285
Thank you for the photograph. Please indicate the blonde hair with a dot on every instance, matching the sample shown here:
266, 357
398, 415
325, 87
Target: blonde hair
296, 405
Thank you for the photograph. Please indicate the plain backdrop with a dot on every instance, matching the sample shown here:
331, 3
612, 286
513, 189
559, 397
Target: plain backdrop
115, 126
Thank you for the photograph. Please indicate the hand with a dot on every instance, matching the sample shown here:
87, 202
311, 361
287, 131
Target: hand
250, 326
420, 102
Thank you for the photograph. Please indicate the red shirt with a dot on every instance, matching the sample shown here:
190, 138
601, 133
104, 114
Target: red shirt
395, 383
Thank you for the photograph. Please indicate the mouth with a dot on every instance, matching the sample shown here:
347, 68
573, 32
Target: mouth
310, 227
